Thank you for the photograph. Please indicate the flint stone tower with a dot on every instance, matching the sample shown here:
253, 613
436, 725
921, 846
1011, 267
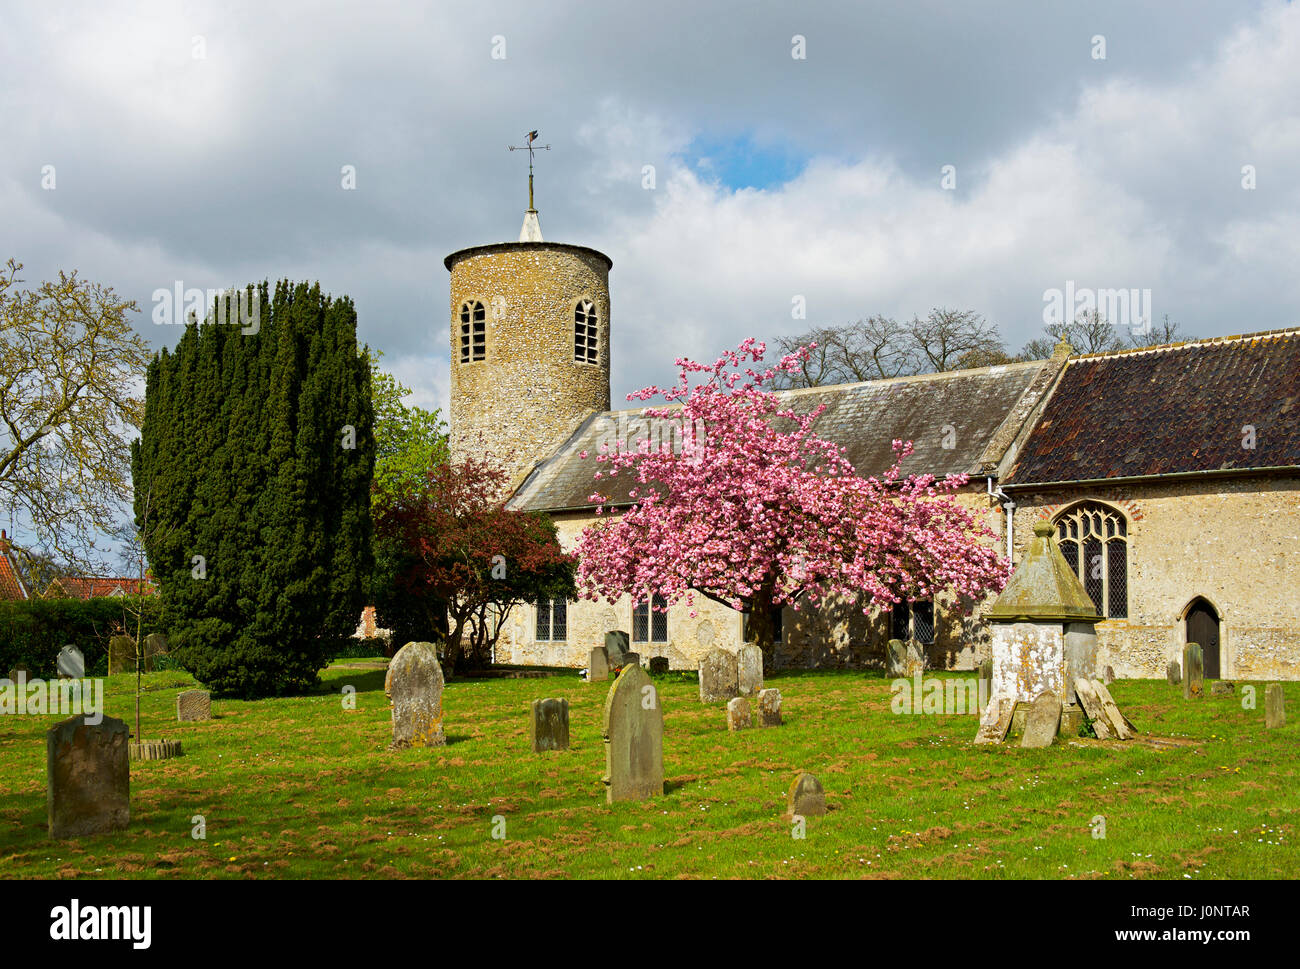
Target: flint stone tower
529, 347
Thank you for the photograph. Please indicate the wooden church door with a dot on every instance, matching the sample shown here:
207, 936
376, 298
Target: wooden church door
1203, 628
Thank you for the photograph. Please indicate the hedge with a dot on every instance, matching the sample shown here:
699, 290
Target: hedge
33, 631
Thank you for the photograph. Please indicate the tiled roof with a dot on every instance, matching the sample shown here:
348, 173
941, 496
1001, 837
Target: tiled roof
11, 587
1180, 408
91, 587
950, 417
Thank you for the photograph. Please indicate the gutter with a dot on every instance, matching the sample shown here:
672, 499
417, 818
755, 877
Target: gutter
1009, 507
1142, 478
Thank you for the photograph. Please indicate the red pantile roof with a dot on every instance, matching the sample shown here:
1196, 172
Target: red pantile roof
11, 586
90, 587
1225, 404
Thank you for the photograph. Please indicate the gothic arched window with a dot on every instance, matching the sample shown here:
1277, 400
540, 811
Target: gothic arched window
1094, 540
586, 320
473, 331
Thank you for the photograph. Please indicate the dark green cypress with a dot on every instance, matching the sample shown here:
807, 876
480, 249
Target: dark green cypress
241, 450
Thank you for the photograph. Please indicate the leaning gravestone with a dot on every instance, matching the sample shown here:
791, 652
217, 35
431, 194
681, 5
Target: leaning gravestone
738, 715
806, 797
1174, 673
616, 647
415, 680
749, 669
549, 727
1193, 671
88, 777
598, 665
1274, 706
1108, 675
718, 677
121, 655
769, 708
896, 657
634, 738
658, 664
194, 705
1042, 721
71, 663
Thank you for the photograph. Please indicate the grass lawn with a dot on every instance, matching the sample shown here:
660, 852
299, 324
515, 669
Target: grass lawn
303, 788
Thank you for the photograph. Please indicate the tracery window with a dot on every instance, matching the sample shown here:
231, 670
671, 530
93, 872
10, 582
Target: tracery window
586, 322
473, 331
552, 620
1094, 540
649, 621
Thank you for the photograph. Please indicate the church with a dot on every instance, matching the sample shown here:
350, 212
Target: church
1170, 475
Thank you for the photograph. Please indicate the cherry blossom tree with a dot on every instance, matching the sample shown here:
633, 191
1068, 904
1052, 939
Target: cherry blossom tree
744, 503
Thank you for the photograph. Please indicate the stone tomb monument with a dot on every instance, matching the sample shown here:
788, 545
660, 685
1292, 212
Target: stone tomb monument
719, 679
1044, 638
548, 729
88, 777
634, 738
415, 685
71, 663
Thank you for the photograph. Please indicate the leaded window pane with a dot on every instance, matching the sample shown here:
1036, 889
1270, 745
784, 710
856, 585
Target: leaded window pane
1117, 579
543, 620
1093, 573
923, 622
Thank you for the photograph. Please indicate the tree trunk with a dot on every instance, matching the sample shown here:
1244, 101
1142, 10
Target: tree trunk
761, 631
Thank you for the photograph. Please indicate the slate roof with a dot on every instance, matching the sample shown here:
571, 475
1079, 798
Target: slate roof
965, 409
1168, 410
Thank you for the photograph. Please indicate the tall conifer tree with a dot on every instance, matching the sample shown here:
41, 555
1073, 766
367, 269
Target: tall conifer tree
259, 451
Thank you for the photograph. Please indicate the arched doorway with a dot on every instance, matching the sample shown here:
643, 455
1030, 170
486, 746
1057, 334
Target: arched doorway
1203, 628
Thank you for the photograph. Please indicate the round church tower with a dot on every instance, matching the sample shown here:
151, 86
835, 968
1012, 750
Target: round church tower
529, 347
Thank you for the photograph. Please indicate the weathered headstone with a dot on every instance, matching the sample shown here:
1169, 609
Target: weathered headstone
1174, 673
749, 669
996, 720
718, 677
738, 715
634, 738
71, 663
984, 684
549, 727
1108, 675
896, 657
155, 644
1221, 688
806, 798
658, 664
1092, 707
631, 659
1042, 721
416, 686
1119, 724
194, 705
1274, 706
616, 645
121, 655
1193, 671
769, 708
88, 777
598, 666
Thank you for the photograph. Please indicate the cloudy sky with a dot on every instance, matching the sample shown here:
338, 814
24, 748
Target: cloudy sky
205, 143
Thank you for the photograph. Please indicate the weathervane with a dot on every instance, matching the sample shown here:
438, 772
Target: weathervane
530, 148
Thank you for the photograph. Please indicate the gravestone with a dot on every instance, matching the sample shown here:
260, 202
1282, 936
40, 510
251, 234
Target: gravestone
194, 705
1174, 673
806, 798
121, 655
996, 720
634, 739
718, 677
616, 647
549, 727
896, 657
738, 715
1193, 671
1221, 688
658, 664
1274, 706
749, 669
1108, 675
88, 777
984, 685
631, 659
416, 686
598, 665
155, 644
71, 663
19, 673
1042, 721
769, 708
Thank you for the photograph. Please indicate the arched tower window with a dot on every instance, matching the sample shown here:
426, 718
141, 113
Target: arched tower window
473, 331
1094, 540
586, 320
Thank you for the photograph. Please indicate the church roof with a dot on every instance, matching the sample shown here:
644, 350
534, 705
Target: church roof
956, 420
1223, 404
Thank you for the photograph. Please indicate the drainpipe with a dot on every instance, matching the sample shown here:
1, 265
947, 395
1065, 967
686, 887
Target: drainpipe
1009, 507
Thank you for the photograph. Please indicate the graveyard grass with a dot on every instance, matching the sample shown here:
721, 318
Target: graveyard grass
302, 788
